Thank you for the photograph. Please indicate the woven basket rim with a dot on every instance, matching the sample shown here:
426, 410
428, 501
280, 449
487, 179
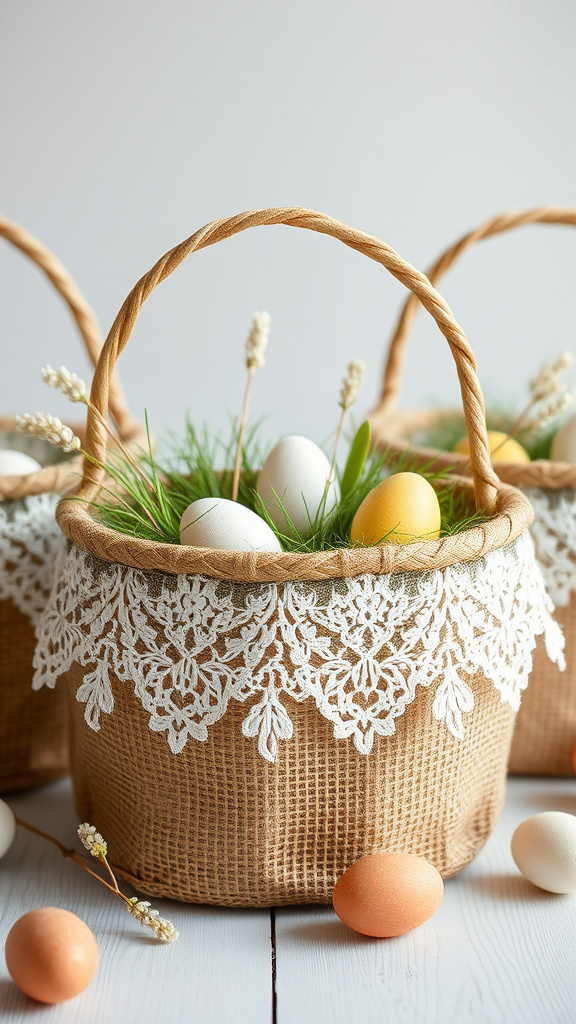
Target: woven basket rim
514, 516
545, 473
51, 479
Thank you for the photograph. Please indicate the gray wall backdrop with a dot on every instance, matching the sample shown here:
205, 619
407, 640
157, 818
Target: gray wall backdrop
125, 125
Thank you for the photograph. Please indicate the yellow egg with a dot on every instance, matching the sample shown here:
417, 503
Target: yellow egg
401, 509
502, 448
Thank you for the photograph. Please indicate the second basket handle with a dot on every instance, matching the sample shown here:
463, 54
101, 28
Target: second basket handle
496, 225
83, 315
485, 481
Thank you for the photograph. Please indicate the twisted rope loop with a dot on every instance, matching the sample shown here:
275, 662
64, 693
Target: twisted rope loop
485, 481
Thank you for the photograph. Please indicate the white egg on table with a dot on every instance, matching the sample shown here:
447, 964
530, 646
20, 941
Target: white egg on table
227, 526
13, 463
7, 827
564, 443
293, 478
544, 849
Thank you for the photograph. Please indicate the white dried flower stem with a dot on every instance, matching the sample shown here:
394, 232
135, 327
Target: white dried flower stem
348, 395
255, 347
68, 383
351, 384
92, 840
549, 413
143, 912
75, 389
257, 340
50, 429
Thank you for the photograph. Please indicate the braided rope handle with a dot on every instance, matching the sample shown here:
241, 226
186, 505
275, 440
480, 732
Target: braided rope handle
485, 480
83, 315
391, 384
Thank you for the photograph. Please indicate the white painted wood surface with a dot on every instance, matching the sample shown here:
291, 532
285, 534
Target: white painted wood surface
498, 951
217, 972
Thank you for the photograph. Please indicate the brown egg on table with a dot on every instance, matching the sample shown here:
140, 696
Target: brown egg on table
502, 448
388, 894
399, 510
51, 954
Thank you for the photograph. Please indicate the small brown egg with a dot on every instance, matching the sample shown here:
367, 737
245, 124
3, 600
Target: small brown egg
51, 954
387, 894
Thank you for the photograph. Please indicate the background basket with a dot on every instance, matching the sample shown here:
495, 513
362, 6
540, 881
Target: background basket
545, 733
33, 728
215, 744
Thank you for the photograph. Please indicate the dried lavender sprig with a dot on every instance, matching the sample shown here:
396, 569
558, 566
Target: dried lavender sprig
257, 340
255, 348
143, 912
548, 383
50, 429
68, 383
97, 846
92, 840
351, 384
348, 395
549, 413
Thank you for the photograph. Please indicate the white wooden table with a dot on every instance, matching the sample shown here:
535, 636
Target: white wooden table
498, 951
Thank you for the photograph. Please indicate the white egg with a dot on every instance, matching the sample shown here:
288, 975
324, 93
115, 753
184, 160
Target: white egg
564, 443
227, 526
544, 848
7, 828
13, 463
294, 476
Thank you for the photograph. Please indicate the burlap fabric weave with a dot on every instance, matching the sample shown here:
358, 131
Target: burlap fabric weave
545, 734
33, 726
219, 824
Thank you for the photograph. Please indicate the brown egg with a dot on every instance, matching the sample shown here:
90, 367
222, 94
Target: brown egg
51, 954
387, 894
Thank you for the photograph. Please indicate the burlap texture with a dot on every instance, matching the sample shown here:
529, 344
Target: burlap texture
218, 824
33, 726
545, 734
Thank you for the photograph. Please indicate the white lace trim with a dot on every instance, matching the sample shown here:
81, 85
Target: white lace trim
29, 542
554, 535
188, 644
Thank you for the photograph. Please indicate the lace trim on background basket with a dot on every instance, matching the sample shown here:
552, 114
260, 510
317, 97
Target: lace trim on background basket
29, 543
358, 648
554, 535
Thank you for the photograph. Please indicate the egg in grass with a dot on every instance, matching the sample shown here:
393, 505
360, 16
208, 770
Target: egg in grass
399, 510
503, 448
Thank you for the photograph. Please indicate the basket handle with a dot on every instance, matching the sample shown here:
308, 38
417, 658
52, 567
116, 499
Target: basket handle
391, 384
83, 315
485, 480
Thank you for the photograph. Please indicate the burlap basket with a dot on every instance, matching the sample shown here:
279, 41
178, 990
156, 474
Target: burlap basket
545, 733
246, 724
33, 727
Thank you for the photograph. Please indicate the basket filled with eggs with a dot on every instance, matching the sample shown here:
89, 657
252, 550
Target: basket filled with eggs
33, 475
278, 665
535, 450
